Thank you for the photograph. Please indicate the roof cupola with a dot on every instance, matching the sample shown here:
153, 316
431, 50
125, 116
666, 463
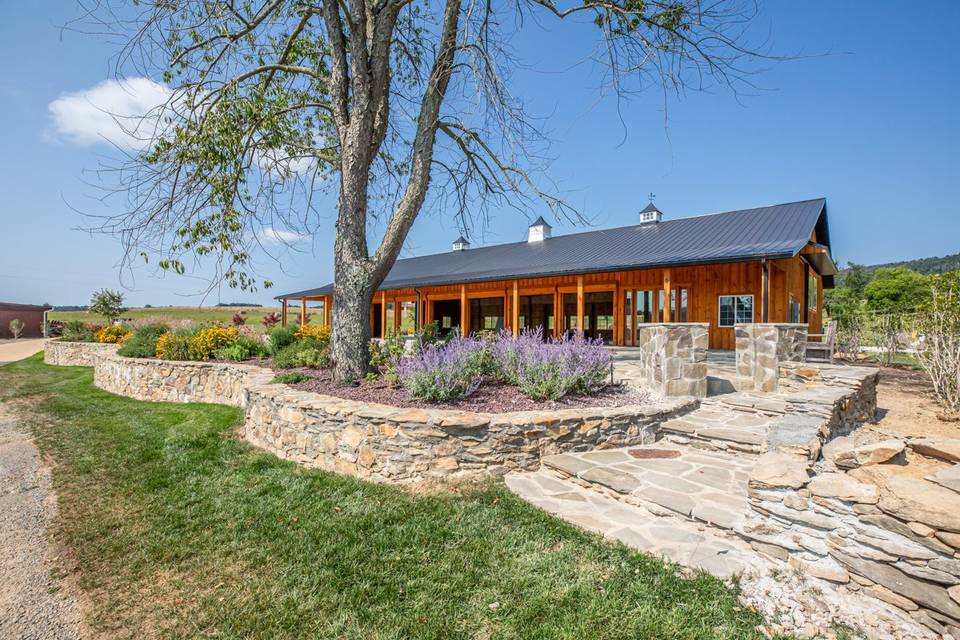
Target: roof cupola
539, 230
461, 244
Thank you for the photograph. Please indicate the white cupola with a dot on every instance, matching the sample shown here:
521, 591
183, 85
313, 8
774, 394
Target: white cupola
461, 244
650, 214
539, 230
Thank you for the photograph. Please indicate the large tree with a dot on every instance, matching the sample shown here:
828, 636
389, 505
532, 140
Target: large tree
389, 105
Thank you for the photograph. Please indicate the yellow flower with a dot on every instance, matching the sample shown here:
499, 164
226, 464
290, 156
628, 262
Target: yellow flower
320, 333
112, 334
209, 339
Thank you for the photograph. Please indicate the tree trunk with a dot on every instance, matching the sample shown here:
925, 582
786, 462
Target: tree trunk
350, 339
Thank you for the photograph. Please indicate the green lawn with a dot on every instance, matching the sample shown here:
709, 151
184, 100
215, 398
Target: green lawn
180, 530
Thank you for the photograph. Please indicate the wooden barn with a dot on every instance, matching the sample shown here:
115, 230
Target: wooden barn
767, 264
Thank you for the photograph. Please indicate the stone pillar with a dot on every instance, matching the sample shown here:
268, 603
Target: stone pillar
673, 357
761, 347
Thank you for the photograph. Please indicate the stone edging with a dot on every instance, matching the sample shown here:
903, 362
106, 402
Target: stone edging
74, 354
379, 442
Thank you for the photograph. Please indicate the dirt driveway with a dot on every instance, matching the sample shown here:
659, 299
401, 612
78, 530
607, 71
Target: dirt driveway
35, 603
13, 350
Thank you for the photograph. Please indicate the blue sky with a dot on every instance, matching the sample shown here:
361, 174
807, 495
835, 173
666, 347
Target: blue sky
872, 126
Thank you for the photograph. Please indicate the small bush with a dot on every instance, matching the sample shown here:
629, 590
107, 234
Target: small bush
303, 353
143, 342
290, 378
78, 331
16, 328
281, 337
238, 319
243, 349
175, 346
113, 334
386, 354
209, 339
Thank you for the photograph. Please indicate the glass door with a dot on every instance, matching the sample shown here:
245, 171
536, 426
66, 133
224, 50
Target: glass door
638, 309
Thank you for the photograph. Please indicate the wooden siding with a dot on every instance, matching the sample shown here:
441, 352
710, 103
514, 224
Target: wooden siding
704, 284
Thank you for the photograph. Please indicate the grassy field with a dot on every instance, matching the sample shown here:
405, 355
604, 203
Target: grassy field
254, 315
180, 530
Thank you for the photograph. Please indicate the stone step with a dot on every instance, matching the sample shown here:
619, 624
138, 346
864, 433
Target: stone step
686, 542
709, 487
717, 428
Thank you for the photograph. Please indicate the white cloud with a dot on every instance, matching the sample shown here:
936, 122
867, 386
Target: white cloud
112, 112
279, 236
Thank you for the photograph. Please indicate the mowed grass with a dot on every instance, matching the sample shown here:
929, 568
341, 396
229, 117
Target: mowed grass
180, 530
224, 315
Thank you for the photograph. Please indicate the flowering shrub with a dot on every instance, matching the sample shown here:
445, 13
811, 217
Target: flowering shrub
559, 367
239, 319
541, 370
440, 373
175, 346
206, 342
272, 319
320, 334
113, 334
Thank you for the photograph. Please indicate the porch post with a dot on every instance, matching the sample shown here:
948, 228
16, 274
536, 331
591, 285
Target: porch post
515, 311
558, 312
464, 312
765, 293
328, 310
283, 313
580, 304
303, 311
383, 314
666, 296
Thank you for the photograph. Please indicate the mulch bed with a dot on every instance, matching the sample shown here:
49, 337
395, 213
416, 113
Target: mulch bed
489, 398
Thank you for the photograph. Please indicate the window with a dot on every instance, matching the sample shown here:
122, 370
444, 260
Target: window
390, 316
735, 309
486, 314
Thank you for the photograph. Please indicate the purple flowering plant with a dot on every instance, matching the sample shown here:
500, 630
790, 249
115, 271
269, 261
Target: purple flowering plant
540, 369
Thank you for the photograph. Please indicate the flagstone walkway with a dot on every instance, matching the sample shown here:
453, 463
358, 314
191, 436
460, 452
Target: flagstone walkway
641, 525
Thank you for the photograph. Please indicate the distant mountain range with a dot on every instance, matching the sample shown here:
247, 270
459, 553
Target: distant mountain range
935, 264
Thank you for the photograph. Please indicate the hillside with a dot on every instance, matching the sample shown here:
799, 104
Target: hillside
934, 264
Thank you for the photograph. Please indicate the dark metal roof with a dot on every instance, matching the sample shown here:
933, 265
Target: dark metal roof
777, 231
461, 240
649, 208
16, 306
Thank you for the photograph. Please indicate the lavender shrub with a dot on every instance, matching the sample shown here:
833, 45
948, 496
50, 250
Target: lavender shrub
445, 372
551, 370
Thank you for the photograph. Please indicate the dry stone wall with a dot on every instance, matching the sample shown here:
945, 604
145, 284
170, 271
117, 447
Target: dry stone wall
166, 381
378, 442
881, 517
392, 444
75, 354
673, 357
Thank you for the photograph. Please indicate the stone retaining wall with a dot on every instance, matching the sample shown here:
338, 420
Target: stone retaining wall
167, 381
673, 357
379, 442
392, 444
859, 517
75, 354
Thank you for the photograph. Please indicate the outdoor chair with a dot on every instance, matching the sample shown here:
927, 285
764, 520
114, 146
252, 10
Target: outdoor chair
822, 351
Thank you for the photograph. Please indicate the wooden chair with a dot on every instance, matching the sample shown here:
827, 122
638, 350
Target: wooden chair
822, 351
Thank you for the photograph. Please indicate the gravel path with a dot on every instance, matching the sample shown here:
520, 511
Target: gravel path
34, 604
